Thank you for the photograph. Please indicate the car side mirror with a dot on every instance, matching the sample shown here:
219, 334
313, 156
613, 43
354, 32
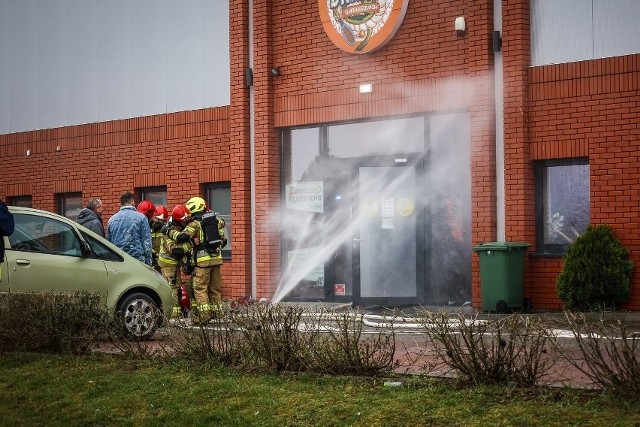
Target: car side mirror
86, 249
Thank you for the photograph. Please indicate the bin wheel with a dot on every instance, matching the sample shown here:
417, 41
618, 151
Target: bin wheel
501, 306
526, 305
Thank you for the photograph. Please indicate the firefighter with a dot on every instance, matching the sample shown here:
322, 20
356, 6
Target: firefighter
207, 275
146, 208
156, 222
172, 255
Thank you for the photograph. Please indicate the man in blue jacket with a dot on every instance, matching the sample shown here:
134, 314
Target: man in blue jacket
7, 226
129, 229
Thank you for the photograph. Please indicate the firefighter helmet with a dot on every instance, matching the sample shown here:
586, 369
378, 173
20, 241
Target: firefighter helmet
161, 214
196, 204
147, 208
180, 214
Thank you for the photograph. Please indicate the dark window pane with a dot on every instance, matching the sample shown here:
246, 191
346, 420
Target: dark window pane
218, 198
564, 211
156, 195
70, 205
23, 201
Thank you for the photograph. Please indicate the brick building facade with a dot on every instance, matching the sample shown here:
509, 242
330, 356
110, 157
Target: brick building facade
585, 110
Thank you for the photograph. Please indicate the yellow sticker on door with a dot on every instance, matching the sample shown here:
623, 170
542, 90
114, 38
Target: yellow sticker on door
404, 207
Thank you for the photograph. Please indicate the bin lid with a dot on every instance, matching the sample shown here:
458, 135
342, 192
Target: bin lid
500, 246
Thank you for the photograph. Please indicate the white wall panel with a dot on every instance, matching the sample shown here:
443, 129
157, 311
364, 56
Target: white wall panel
5, 70
67, 62
53, 84
215, 55
148, 69
578, 30
114, 59
561, 31
82, 57
23, 27
616, 29
184, 54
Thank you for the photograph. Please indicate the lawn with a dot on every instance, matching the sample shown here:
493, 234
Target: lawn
102, 389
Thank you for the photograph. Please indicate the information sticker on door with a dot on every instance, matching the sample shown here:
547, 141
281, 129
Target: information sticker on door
387, 212
387, 207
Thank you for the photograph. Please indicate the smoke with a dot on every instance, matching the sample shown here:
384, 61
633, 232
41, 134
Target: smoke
355, 192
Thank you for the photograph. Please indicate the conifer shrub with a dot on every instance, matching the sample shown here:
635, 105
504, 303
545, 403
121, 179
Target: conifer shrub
596, 274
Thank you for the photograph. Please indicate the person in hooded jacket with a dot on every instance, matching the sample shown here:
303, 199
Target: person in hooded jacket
91, 217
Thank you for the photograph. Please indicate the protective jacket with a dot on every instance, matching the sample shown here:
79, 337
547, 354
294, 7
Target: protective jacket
91, 220
205, 256
171, 252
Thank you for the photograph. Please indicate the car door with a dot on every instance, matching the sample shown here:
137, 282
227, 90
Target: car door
45, 253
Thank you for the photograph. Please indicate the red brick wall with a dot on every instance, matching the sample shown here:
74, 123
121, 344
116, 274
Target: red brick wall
592, 109
425, 68
589, 109
179, 151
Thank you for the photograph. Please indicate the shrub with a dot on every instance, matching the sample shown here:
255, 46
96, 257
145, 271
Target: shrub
509, 350
610, 354
50, 322
284, 338
596, 272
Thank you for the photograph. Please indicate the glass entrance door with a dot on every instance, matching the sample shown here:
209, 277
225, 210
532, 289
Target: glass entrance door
385, 244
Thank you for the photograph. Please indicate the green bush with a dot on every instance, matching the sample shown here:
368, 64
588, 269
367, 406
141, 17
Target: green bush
52, 322
597, 271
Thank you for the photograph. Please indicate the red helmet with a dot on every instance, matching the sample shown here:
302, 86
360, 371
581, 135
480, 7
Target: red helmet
147, 208
180, 214
161, 214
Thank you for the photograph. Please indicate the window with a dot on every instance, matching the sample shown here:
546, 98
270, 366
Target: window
70, 205
218, 198
100, 250
156, 195
562, 203
44, 235
23, 201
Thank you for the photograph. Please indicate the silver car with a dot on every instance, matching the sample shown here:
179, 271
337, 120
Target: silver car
48, 252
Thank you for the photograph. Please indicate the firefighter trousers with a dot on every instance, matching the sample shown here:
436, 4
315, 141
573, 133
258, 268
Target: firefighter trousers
207, 285
172, 274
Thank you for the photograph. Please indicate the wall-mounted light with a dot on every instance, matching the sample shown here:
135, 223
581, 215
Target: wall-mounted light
58, 148
28, 153
365, 88
460, 26
275, 71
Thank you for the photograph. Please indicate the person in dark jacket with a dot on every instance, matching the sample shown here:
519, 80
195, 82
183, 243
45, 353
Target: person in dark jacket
91, 217
7, 225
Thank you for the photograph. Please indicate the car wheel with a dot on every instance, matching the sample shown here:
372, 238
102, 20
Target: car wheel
139, 316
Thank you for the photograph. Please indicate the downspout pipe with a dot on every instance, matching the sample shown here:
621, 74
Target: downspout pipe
252, 154
499, 116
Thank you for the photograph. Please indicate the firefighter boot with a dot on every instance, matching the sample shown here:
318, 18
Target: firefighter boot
202, 315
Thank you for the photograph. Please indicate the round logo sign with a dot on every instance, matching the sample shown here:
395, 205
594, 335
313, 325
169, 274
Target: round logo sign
361, 26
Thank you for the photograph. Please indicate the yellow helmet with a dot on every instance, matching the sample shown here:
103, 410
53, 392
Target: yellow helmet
196, 204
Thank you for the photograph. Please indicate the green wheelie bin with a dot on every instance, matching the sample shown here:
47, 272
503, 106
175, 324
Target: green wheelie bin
502, 276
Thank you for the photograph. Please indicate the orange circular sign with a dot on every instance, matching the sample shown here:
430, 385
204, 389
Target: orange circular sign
361, 26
